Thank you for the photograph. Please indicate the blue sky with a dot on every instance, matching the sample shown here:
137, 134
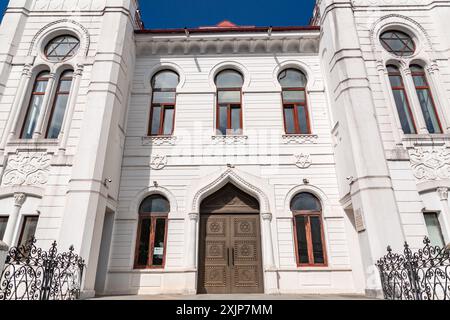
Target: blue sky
194, 13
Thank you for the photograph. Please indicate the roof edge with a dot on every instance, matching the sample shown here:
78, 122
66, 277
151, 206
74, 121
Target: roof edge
227, 30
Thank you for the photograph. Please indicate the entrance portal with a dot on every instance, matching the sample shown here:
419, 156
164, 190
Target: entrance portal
230, 258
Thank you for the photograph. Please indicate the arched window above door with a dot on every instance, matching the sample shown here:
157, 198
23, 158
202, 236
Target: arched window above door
162, 113
229, 102
295, 106
152, 233
308, 230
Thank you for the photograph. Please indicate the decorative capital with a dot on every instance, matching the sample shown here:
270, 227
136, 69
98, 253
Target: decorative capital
267, 216
27, 70
78, 70
381, 67
19, 199
194, 216
443, 193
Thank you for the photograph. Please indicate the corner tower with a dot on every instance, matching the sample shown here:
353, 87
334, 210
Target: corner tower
65, 73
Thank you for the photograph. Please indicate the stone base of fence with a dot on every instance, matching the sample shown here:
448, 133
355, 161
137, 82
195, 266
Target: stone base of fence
3, 253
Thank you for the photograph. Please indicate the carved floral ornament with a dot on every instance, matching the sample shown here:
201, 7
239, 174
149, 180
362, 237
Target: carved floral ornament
158, 162
430, 163
27, 169
303, 160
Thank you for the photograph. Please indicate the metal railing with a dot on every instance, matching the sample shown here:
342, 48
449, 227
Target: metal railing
31, 273
421, 275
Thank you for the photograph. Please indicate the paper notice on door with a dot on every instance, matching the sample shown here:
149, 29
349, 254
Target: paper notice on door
158, 251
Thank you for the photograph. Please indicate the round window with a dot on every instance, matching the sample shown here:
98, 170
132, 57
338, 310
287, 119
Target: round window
62, 48
398, 43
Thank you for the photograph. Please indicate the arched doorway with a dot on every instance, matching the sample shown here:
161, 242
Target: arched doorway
230, 259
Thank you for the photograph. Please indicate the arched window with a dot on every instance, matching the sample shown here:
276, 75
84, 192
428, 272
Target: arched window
308, 228
35, 105
152, 233
229, 102
401, 100
162, 115
398, 43
295, 107
426, 99
59, 105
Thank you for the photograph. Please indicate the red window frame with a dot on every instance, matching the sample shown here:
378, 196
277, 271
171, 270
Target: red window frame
308, 215
163, 107
230, 106
295, 105
57, 94
423, 75
154, 216
38, 79
403, 89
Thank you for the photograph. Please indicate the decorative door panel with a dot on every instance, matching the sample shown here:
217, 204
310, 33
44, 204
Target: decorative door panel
247, 273
230, 254
214, 275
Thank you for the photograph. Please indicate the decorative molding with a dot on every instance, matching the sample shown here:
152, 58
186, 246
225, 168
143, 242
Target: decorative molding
303, 160
267, 216
300, 138
19, 199
159, 141
84, 33
229, 140
231, 175
430, 163
194, 216
443, 193
158, 162
27, 169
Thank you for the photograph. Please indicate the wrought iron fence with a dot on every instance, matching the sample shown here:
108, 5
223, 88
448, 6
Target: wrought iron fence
421, 275
31, 273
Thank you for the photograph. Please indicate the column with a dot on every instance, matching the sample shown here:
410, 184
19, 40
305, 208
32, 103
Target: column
192, 241
64, 134
45, 109
17, 106
268, 243
19, 200
443, 196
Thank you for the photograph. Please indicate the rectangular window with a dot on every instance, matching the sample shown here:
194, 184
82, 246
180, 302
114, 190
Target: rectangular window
229, 112
296, 117
3, 224
152, 237
434, 229
401, 100
309, 239
28, 229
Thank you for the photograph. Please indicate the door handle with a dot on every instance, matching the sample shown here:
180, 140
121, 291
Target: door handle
232, 256
228, 256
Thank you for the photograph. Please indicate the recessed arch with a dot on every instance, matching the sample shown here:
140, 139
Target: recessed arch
294, 64
58, 28
143, 194
149, 74
240, 180
232, 65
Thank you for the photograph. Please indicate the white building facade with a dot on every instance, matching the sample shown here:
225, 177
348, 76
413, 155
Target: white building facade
225, 159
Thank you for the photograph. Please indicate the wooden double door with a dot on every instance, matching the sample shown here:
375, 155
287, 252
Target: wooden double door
230, 259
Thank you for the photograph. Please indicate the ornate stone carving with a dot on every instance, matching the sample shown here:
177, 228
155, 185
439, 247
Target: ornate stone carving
228, 140
300, 139
27, 169
159, 141
19, 199
267, 216
303, 160
158, 162
430, 163
443, 193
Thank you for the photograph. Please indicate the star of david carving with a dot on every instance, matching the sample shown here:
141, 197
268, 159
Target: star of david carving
158, 162
303, 161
